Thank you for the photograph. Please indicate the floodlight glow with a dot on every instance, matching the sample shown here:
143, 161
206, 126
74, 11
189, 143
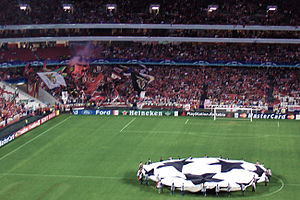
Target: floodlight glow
67, 6
212, 8
23, 6
271, 8
154, 6
111, 7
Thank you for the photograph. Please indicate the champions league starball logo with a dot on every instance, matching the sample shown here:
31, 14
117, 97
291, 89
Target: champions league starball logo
194, 173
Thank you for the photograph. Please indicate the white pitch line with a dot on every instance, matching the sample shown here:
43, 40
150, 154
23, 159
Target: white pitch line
62, 176
276, 191
11, 152
278, 124
186, 121
127, 124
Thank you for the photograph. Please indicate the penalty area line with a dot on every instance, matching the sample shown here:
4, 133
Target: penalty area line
186, 121
11, 152
127, 124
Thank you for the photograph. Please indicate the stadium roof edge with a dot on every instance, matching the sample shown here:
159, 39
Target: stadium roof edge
153, 39
150, 26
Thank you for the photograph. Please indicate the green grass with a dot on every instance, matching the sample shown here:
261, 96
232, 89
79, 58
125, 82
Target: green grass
87, 157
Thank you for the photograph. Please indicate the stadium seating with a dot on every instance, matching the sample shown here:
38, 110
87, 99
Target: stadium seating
15, 103
16, 54
53, 53
190, 12
281, 53
151, 32
175, 86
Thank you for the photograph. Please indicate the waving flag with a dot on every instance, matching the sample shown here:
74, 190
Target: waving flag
60, 70
139, 82
27, 70
52, 79
92, 83
33, 89
196, 172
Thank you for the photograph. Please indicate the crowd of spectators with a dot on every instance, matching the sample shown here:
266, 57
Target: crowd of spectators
202, 51
211, 52
191, 85
9, 108
176, 86
150, 32
242, 12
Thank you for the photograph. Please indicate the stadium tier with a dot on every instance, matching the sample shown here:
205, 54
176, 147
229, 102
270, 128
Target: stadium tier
139, 12
173, 86
210, 52
180, 32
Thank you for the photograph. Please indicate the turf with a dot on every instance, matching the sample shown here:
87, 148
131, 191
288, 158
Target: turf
87, 157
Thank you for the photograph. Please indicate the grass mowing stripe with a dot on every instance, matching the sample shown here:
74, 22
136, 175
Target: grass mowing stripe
93, 160
65, 176
208, 134
127, 124
11, 152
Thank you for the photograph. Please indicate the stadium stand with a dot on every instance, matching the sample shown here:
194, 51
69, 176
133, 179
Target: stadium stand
171, 87
282, 53
228, 12
175, 86
15, 104
53, 53
16, 54
151, 32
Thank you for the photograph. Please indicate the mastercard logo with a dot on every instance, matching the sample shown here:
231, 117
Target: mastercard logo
291, 117
243, 115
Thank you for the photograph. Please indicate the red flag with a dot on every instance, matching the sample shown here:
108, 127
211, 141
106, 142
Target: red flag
33, 89
77, 72
44, 66
92, 83
97, 98
26, 69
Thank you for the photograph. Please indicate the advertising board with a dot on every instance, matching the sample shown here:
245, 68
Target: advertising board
124, 112
93, 112
7, 139
266, 116
203, 114
146, 113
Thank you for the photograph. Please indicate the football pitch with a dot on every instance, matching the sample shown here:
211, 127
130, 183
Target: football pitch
97, 157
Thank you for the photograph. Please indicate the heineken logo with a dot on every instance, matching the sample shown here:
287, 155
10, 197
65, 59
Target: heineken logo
168, 113
146, 113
